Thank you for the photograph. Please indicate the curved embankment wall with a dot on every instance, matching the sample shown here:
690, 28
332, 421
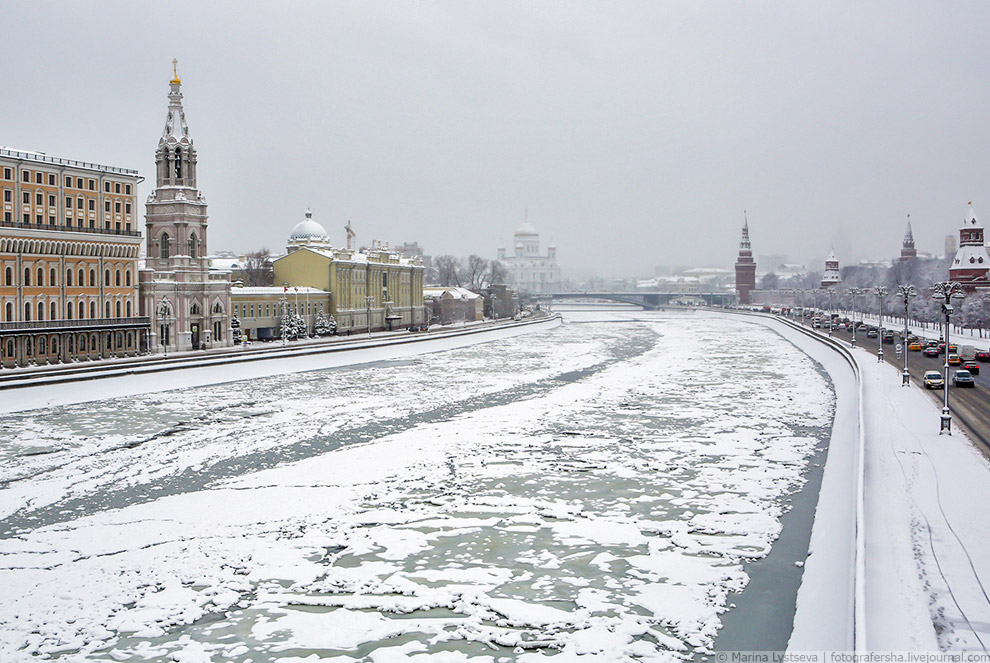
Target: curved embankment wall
830, 612
109, 381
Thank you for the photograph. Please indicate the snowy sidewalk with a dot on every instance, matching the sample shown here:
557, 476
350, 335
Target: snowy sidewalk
927, 508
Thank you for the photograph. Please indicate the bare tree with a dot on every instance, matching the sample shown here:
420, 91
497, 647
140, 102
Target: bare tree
475, 275
257, 268
497, 274
448, 270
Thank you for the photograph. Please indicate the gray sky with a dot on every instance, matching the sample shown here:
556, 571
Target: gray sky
635, 133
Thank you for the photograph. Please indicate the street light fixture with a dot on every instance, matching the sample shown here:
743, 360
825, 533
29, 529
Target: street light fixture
881, 291
855, 292
906, 292
946, 291
164, 313
367, 301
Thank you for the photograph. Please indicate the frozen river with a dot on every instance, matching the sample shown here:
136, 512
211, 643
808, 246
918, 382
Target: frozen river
593, 489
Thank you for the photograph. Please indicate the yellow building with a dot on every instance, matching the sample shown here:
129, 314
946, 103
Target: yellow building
259, 309
377, 289
68, 261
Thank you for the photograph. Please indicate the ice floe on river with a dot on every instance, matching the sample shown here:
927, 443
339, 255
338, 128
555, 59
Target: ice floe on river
589, 491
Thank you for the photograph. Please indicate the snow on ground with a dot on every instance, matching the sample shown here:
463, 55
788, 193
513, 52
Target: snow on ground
592, 490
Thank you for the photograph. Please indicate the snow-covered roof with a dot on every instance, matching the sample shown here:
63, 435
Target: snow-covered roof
308, 229
276, 290
455, 292
526, 229
971, 221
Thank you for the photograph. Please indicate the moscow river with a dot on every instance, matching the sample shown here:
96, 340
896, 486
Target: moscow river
604, 488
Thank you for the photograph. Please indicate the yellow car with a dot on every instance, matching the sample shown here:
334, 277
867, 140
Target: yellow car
915, 346
954, 360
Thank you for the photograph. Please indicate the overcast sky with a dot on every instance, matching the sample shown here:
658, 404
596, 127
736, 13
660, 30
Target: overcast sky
635, 133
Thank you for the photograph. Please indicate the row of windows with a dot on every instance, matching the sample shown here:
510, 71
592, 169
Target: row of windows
80, 183
8, 277
39, 199
265, 310
122, 309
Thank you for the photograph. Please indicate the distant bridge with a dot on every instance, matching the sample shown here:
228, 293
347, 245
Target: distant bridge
650, 301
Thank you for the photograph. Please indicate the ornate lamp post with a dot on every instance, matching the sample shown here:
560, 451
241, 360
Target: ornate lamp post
829, 290
367, 301
164, 314
881, 291
283, 307
906, 292
946, 291
855, 292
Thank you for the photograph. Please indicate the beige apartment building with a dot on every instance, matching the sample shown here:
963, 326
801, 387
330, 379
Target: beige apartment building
68, 260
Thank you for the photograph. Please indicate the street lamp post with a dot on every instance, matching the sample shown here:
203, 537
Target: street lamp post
906, 292
829, 290
367, 301
946, 291
855, 292
164, 313
283, 303
881, 291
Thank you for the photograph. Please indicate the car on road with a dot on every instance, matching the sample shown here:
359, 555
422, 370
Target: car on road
953, 360
915, 346
871, 333
933, 380
971, 366
888, 336
931, 351
981, 355
963, 378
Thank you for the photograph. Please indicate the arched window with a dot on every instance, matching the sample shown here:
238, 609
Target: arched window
10, 347
8, 276
178, 162
116, 277
107, 310
194, 310
130, 309
82, 277
130, 340
82, 344
27, 276
41, 345
92, 278
163, 246
9, 316
106, 277
53, 312
127, 277
41, 276
28, 347
192, 245
92, 309
41, 311
51, 277
68, 310
68, 277
27, 312
119, 310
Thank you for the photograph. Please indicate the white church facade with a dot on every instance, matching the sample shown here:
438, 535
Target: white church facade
530, 270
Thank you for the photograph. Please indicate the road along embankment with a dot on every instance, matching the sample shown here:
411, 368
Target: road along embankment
830, 614
110, 380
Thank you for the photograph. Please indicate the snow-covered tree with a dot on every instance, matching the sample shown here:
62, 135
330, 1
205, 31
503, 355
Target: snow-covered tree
324, 326
235, 328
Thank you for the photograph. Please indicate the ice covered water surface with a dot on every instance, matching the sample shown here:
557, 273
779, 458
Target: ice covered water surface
589, 491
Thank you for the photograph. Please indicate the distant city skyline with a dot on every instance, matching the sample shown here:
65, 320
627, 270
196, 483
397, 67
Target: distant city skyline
635, 134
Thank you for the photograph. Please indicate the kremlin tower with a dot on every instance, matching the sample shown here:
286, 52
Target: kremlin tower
831, 275
972, 263
745, 268
908, 252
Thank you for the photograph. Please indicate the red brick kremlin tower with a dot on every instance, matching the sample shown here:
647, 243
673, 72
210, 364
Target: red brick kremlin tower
745, 267
972, 263
908, 252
